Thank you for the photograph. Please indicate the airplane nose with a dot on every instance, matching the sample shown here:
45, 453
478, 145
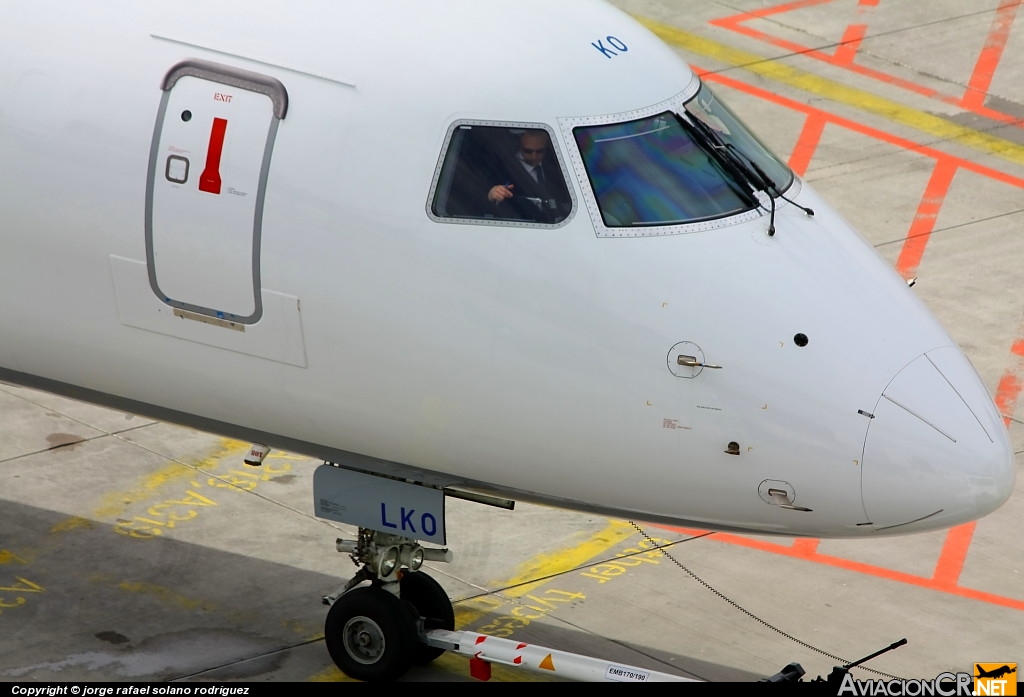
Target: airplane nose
936, 452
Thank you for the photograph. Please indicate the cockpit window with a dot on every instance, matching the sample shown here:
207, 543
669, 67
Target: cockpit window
676, 168
651, 172
501, 174
738, 137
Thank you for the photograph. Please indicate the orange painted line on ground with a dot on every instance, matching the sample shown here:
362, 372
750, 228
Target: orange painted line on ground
856, 126
801, 553
981, 78
1010, 385
807, 144
728, 22
806, 545
953, 555
793, 47
735, 23
848, 46
924, 220
868, 3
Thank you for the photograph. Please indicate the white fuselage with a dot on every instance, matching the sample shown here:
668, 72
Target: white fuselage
534, 360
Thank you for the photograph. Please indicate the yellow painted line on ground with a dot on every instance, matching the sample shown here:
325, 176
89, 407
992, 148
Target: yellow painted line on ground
547, 567
332, 674
8, 557
166, 595
929, 124
74, 523
550, 564
116, 502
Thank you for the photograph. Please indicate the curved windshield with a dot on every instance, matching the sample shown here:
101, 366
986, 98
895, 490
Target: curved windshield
665, 170
717, 116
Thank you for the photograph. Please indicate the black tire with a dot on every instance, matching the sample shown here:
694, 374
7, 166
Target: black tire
371, 634
430, 601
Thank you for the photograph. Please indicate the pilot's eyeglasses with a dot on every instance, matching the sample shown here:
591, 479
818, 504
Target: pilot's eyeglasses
534, 151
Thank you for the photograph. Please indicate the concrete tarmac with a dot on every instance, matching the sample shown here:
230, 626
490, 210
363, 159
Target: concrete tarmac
132, 550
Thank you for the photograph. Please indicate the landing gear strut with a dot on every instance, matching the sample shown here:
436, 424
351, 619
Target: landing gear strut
430, 602
375, 632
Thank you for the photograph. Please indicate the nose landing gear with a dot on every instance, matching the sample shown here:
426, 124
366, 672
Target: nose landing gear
375, 632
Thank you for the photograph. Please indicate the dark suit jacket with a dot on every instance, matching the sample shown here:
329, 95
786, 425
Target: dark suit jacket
488, 158
546, 201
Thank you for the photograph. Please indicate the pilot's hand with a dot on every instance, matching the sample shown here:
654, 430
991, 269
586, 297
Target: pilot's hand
500, 192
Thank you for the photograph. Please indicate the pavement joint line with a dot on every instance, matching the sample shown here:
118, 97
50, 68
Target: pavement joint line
973, 90
942, 129
564, 561
85, 439
886, 137
949, 228
102, 432
218, 456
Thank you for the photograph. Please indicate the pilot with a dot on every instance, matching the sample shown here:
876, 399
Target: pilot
532, 187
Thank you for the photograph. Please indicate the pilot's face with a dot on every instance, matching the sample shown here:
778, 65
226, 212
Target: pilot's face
533, 147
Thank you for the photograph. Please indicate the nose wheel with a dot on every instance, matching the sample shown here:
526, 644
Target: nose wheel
376, 631
371, 634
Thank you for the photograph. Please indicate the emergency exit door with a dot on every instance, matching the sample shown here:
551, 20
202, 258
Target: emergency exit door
208, 169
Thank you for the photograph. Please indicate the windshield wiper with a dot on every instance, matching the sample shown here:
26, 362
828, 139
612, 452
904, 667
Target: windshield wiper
733, 169
770, 184
742, 166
